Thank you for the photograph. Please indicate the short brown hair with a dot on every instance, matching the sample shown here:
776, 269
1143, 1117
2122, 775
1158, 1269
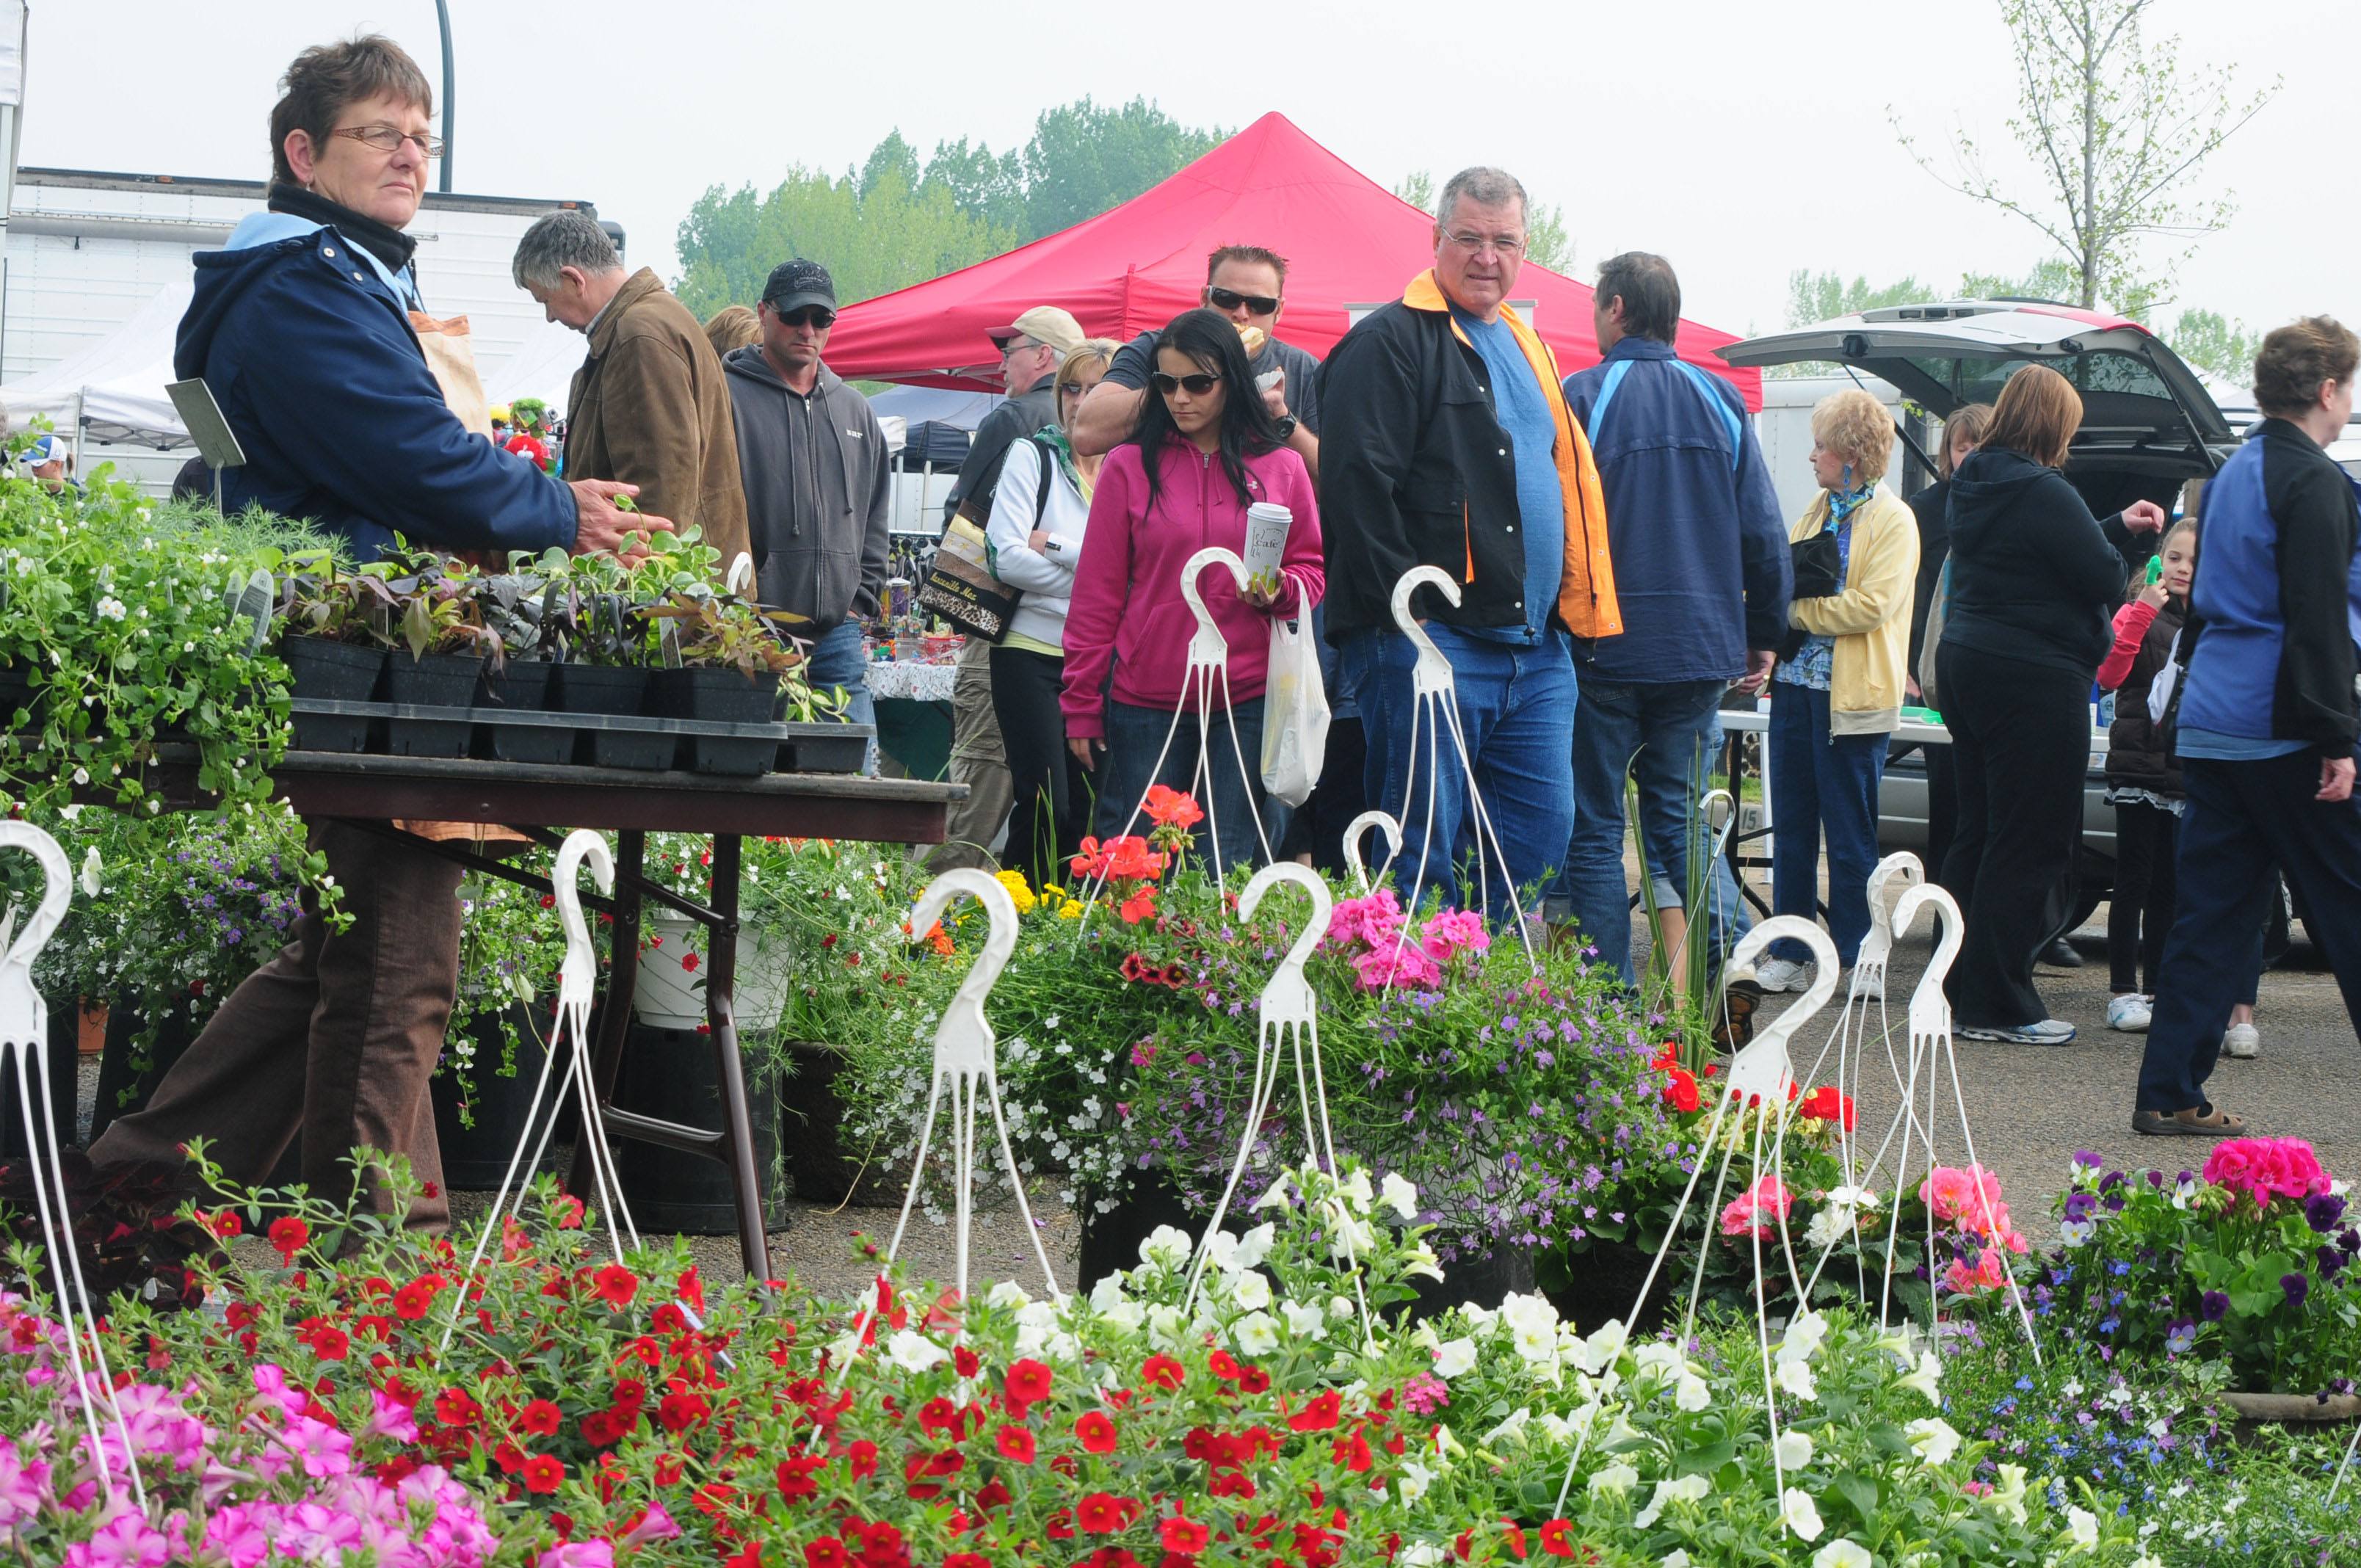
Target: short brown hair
2297, 359
2036, 414
1974, 420
328, 78
732, 327
1650, 292
1855, 425
1257, 255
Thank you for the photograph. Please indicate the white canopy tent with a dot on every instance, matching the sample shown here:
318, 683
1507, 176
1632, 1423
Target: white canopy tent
542, 368
113, 390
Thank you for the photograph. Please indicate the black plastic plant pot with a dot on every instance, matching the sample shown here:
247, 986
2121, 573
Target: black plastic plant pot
521, 685
719, 697
617, 691
476, 1158
438, 680
335, 672
672, 1074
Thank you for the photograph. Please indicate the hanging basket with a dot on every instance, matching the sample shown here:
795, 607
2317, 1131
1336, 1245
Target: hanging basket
668, 996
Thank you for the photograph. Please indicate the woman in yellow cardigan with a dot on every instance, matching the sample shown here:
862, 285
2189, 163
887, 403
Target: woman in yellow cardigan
1837, 693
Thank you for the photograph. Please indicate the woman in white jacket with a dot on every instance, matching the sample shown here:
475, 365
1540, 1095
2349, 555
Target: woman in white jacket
1038, 512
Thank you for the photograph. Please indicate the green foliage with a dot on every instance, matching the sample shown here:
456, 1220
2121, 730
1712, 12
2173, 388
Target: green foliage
1817, 296
2115, 133
2051, 279
1084, 159
2216, 345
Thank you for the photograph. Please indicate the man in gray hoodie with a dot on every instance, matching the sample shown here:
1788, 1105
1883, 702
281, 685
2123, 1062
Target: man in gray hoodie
816, 479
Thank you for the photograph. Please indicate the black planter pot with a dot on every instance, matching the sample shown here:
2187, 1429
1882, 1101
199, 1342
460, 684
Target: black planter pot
827, 1167
671, 1073
1480, 1281
124, 1087
521, 685
337, 671
721, 696
1603, 1280
438, 680
64, 1072
620, 691
474, 1158
1110, 1241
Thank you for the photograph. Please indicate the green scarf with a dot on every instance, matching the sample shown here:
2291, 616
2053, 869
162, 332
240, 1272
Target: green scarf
1055, 439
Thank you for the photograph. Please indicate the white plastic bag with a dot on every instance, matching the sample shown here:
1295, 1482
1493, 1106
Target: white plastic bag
1294, 713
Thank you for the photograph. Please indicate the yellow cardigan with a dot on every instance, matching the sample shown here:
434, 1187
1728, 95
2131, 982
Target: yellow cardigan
1870, 620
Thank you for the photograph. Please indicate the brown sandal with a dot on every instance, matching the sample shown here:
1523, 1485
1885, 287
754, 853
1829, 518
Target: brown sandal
2205, 1121
1735, 1028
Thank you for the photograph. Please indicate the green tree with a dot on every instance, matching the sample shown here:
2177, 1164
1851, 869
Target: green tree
889, 156
1417, 188
2056, 279
1819, 296
1083, 158
981, 185
1546, 240
2118, 134
2216, 345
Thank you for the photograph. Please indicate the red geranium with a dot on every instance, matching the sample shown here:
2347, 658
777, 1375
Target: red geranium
289, 1233
1167, 807
1680, 1088
1027, 1382
542, 1473
1828, 1103
1017, 1443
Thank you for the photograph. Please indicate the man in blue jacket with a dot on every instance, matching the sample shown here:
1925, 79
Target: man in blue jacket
302, 328
2268, 722
1701, 568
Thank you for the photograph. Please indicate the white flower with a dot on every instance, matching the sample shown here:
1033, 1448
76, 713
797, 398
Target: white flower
1827, 1225
914, 1352
2082, 1527
1414, 1481
1104, 1295
1796, 1377
1251, 1290
1691, 1393
1929, 1374
1794, 1448
1614, 1478
1679, 1559
1422, 1554
111, 609
2007, 1499
2147, 1560
1166, 1247
1599, 1351
1254, 1246
1420, 1261
1009, 1295
1356, 1188
92, 871
1256, 1333
1275, 1196
1511, 1428
1304, 1321
1399, 1195
1841, 1554
1800, 1514
1934, 1440
2077, 1233
1687, 1489
1455, 1357
1804, 1338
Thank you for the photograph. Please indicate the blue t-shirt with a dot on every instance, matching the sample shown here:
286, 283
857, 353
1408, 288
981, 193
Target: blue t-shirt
1523, 412
2217, 746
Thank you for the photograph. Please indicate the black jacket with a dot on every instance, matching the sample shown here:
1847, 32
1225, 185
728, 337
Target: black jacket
1416, 470
1009, 422
2034, 576
2139, 749
1931, 508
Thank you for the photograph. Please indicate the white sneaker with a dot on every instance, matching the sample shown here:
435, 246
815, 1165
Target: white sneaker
2242, 1041
1781, 974
2128, 1014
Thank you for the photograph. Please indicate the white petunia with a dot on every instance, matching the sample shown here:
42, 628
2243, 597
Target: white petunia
92, 872
914, 1352
1691, 1393
1256, 1333
1422, 1554
1104, 1295
1926, 1378
1599, 1351
1796, 1377
1800, 1514
1166, 1247
1687, 1489
1934, 1440
1251, 1290
1414, 1481
1511, 1428
2007, 1499
2083, 1528
1679, 1559
1455, 1357
1841, 1554
1794, 1449
1420, 1262
1356, 1188
1254, 1246
1009, 1295
1614, 1478
1804, 1338
1399, 1195
1304, 1321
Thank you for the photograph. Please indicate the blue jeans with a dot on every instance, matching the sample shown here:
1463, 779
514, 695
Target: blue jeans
1516, 707
1819, 781
1134, 735
1664, 735
835, 660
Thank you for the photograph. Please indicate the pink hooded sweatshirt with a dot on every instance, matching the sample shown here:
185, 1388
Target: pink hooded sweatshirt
1128, 607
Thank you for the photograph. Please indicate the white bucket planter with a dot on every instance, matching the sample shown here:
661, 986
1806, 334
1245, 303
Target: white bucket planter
668, 996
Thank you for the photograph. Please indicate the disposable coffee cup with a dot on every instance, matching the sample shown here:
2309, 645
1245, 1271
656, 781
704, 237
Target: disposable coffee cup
1266, 526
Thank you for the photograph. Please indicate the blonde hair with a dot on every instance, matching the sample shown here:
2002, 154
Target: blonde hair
732, 327
1857, 426
1099, 350
2036, 414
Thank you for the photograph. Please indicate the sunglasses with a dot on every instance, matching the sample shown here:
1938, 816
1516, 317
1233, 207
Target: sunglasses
820, 316
1071, 388
1196, 386
1256, 304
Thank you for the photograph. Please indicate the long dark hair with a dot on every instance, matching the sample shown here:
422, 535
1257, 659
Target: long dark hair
1248, 430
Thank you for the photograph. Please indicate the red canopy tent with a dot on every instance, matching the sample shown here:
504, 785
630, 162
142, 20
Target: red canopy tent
1348, 241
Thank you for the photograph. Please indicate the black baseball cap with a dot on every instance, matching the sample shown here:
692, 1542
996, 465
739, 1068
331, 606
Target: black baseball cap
797, 283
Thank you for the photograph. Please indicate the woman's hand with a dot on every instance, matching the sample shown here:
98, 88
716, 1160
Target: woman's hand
1039, 541
1259, 596
2143, 517
2152, 595
1083, 748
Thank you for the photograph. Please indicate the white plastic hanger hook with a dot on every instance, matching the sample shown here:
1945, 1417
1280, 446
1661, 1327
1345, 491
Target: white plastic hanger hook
1431, 673
1357, 830
1208, 649
963, 1039
1765, 1068
742, 575
1323, 902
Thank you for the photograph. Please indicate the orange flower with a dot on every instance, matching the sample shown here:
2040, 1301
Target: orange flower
1171, 808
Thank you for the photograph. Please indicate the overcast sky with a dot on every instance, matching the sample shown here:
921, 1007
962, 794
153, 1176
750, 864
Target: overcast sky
1741, 140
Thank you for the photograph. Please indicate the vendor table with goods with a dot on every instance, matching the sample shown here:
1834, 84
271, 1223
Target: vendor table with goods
913, 708
540, 801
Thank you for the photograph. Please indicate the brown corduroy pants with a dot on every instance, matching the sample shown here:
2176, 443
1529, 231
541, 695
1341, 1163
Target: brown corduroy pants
335, 1038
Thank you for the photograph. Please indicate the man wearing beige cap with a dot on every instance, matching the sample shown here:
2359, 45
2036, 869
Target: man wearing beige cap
1031, 348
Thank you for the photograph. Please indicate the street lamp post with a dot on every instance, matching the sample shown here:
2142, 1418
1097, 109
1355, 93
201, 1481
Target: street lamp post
450, 91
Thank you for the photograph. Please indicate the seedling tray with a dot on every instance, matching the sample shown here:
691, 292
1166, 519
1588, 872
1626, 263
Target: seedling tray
742, 750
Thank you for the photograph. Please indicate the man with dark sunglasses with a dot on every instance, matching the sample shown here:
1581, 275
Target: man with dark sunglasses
1246, 283
819, 489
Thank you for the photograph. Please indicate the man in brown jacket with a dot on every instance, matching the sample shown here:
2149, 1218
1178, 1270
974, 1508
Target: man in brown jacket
649, 406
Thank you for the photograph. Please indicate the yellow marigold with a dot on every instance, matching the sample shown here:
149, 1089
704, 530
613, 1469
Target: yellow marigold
1071, 910
1018, 893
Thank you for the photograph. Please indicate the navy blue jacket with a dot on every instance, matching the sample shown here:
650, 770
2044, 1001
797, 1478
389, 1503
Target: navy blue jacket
2277, 600
1701, 560
309, 352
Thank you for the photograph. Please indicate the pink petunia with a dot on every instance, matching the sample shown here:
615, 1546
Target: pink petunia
23, 1485
126, 1541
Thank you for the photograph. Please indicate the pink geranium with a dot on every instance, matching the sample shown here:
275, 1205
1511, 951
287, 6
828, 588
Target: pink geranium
1453, 931
1389, 965
1972, 1195
1757, 1209
2267, 1168
1371, 920
1990, 1273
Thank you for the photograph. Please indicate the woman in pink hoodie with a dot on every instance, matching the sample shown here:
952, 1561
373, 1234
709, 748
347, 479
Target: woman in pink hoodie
1205, 450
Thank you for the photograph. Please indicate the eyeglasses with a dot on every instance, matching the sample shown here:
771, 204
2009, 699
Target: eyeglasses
820, 316
1016, 345
1508, 246
1196, 386
1071, 388
1230, 300
389, 138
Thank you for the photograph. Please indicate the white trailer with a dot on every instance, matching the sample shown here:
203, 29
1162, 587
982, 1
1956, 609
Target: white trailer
87, 250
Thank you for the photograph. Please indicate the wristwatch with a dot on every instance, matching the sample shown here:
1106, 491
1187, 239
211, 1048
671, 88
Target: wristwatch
1285, 428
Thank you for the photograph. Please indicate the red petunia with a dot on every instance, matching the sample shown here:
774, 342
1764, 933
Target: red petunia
967, 1560
541, 1418
1017, 1443
225, 1224
1028, 1384
1321, 1414
569, 1211
542, 1473
1557, 1539
1183, 1535
861, 1459
330, 1344
1098, 1514
679, 1412
1224, 1365
615, 1285
1162, 1371
415, 1299
795, 1477
1096, 1431
289, 1233
826, 1553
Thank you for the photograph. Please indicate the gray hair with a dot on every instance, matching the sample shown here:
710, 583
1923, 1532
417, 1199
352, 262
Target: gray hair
1485, 186
562, 239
